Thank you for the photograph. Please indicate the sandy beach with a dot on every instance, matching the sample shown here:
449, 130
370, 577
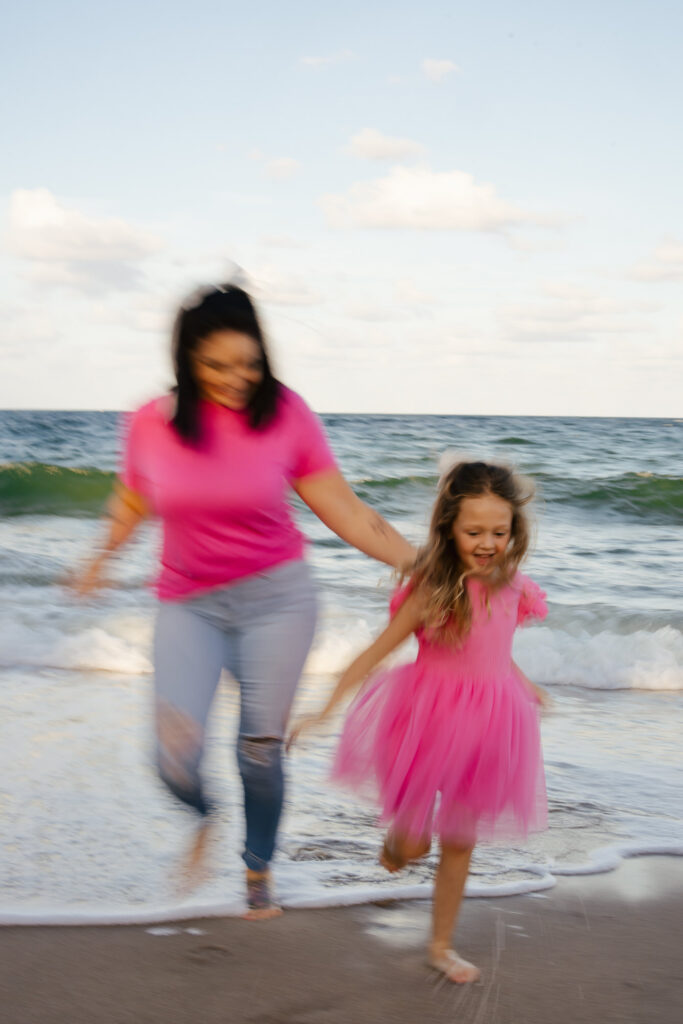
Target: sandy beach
601, 949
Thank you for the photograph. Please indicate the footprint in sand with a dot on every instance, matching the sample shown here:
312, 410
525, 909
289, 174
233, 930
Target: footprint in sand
208, 954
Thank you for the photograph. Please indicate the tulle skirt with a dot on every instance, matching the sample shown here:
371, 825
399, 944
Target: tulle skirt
459, 757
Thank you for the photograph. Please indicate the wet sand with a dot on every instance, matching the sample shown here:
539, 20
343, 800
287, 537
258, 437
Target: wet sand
597, 949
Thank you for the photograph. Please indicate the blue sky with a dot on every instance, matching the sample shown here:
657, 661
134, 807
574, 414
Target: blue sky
440, 207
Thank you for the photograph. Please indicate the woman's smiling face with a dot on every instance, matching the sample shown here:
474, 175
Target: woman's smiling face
228, 367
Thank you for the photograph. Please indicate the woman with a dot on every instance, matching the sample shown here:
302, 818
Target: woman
216, 462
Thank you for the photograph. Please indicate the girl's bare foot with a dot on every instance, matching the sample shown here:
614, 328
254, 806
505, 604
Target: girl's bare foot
399, 850
453, 966
261, 906
390, 858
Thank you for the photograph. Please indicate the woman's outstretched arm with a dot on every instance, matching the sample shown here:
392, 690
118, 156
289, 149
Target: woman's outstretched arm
126, 509
329, 496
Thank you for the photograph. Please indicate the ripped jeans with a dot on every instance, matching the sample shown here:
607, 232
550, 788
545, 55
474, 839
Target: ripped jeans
260, 629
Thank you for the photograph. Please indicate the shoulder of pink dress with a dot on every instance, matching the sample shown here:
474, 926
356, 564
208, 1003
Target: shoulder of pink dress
519, 581
400, 594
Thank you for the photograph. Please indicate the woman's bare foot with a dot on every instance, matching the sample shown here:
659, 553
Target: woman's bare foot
453, 966
194, 866
261, 906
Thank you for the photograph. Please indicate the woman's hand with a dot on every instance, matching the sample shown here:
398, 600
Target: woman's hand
89, 578
125, 511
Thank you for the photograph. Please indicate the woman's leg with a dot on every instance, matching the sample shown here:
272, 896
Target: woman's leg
449, 886
188, 658
278, 623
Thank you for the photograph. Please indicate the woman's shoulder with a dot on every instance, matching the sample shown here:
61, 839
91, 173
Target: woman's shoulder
291, 403
159, 409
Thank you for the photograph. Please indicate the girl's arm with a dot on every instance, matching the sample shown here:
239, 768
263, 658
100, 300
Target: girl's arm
538, 693
125, 511
329, 496
407, 619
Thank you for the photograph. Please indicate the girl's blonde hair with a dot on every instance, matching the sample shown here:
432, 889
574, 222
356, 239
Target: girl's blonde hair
438, 574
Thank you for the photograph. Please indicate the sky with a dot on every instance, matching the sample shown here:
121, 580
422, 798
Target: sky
439, 207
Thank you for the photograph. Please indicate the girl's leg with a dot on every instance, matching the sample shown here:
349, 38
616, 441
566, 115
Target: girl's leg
400, 844
275, 637
449, 886
398, 850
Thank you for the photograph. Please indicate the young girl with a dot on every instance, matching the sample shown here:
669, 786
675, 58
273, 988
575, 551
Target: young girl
451, 741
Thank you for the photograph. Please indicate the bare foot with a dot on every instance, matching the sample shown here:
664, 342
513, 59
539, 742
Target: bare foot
261, 906
263, 914
453, 966
389, 858
194, 866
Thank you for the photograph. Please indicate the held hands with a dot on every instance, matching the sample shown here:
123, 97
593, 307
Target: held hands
304, 724
542, 696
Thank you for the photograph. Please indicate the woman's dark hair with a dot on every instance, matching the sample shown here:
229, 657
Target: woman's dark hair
224, 308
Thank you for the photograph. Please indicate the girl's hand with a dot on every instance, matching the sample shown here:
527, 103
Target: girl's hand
304, 724
542, 696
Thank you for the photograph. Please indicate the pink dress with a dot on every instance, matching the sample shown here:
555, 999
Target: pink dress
450, 743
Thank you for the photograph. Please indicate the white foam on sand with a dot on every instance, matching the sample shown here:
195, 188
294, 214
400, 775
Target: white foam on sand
542, 878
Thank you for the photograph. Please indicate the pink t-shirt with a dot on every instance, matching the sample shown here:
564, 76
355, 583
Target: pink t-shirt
224, 504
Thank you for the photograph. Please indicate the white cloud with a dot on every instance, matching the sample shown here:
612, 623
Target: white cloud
87, 276
570, 314
333, 58
372, 145
399, 311
27, 329
147, 312
281, 288
437, 70
283, 242
666, 263
371, 313
409, 294
71, 249
282, 167
422, 199
41, 228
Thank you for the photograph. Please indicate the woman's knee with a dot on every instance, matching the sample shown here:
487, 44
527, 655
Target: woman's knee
260, 760
179, 754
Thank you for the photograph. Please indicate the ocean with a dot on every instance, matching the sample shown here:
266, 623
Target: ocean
88, 834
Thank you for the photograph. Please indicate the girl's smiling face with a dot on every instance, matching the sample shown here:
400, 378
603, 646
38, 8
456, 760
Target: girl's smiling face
482, 532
